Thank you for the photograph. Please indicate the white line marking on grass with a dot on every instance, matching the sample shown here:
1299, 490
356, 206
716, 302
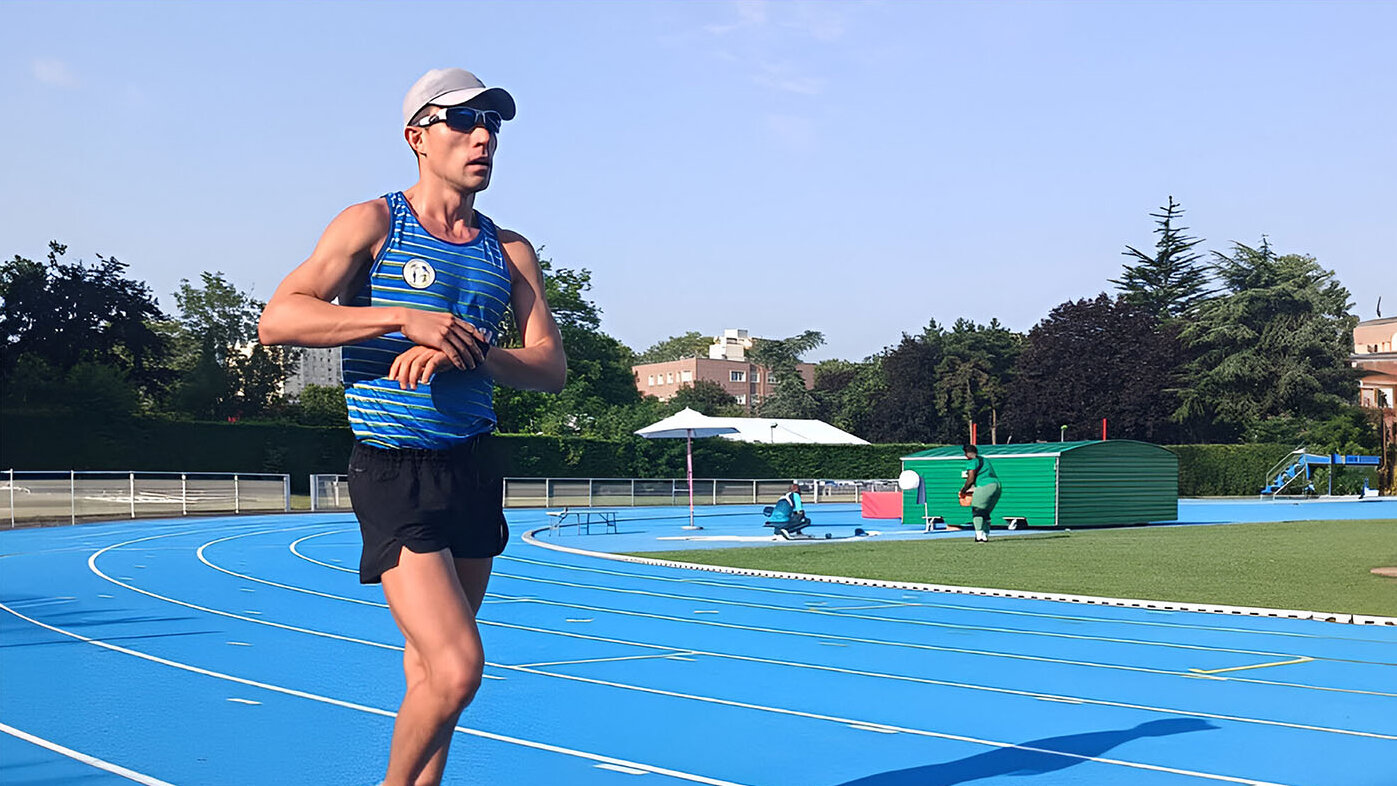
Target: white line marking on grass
854, 672
337, 703
91, 761
1212, 608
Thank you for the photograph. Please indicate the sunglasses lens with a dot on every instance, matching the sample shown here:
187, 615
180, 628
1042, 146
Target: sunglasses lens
463, 118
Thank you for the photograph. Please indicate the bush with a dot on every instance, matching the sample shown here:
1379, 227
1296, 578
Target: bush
53, 441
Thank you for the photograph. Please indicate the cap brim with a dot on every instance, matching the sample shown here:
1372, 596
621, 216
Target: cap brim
496, 98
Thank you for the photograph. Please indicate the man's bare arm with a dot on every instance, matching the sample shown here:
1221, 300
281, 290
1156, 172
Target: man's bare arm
300, 312
541, 363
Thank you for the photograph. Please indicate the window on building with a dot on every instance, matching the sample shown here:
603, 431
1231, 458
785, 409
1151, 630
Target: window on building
669, 377
737, 376
771, 377
651, 383
756, 376
741, 397
686, 376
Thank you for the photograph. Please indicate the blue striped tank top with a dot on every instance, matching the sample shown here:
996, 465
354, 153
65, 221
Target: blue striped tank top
417, 270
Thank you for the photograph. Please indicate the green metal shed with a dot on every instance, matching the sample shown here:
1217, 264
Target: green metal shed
1053, 484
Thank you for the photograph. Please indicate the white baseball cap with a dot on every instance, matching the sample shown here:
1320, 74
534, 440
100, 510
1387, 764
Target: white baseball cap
453, 87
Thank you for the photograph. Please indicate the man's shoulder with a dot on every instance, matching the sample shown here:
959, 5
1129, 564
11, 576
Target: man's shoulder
511, 237
374, 212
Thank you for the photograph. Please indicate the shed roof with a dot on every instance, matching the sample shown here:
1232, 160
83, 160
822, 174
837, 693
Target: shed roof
1020, 449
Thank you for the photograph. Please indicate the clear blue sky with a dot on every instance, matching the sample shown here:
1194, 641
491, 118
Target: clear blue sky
854, 168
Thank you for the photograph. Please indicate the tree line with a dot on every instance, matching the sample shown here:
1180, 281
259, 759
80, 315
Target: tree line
1246, 344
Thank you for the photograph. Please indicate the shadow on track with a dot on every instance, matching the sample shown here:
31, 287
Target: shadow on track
1016, 761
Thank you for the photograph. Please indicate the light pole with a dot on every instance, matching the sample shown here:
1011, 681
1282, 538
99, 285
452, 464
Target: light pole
1062, 436
773, 432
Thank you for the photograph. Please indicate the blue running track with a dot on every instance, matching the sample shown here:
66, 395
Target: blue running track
244, 651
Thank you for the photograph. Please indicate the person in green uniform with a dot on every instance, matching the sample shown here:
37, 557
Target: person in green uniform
982, 486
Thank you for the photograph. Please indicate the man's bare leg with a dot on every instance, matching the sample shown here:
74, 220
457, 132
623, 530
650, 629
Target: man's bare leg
443, 659
474, 575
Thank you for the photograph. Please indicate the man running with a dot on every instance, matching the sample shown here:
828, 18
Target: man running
422, 281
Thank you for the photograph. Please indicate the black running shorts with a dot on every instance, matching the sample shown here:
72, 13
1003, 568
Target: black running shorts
426, 500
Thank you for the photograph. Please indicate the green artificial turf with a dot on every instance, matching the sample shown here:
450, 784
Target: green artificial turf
1311, 565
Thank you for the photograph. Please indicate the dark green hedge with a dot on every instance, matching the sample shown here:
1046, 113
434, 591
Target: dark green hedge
56, 442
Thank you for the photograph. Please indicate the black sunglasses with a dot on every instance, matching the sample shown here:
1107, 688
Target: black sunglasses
464, 118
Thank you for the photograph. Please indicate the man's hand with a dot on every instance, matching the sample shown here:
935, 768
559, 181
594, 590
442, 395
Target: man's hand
457, 339
417, 365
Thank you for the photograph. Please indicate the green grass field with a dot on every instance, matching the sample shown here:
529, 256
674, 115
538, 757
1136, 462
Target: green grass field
1315, 565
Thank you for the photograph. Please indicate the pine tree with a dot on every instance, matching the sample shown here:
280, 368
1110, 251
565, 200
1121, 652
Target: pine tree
1274, 343
1171, 283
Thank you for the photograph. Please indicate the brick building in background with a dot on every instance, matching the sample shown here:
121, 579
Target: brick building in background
1375, 352
727, 365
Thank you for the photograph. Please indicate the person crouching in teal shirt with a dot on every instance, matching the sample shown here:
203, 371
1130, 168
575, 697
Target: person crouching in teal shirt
982, 486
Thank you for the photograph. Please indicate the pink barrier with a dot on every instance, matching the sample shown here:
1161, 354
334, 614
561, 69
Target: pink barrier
881, 504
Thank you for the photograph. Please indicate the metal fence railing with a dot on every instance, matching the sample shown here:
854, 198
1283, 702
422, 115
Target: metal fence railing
39, 496
330, 492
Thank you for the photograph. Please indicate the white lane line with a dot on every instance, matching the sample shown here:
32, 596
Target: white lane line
674, 694
917, 732
879, 729
91, 761
791, 663
927, 647
300, 694
934, 605
606, 660
839, 613
759, 629
856, 672
622, 770
238, 643
246, 701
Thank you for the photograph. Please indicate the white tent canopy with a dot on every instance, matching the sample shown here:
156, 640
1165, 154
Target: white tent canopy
786, 431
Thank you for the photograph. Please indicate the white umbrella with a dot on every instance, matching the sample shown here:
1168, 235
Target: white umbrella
687, 424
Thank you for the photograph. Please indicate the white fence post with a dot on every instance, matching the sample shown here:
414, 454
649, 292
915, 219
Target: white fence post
754, 492
131, 476
12, 497
591, 484
183, 494
12, 494
237, 497
285, 493
72, 497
